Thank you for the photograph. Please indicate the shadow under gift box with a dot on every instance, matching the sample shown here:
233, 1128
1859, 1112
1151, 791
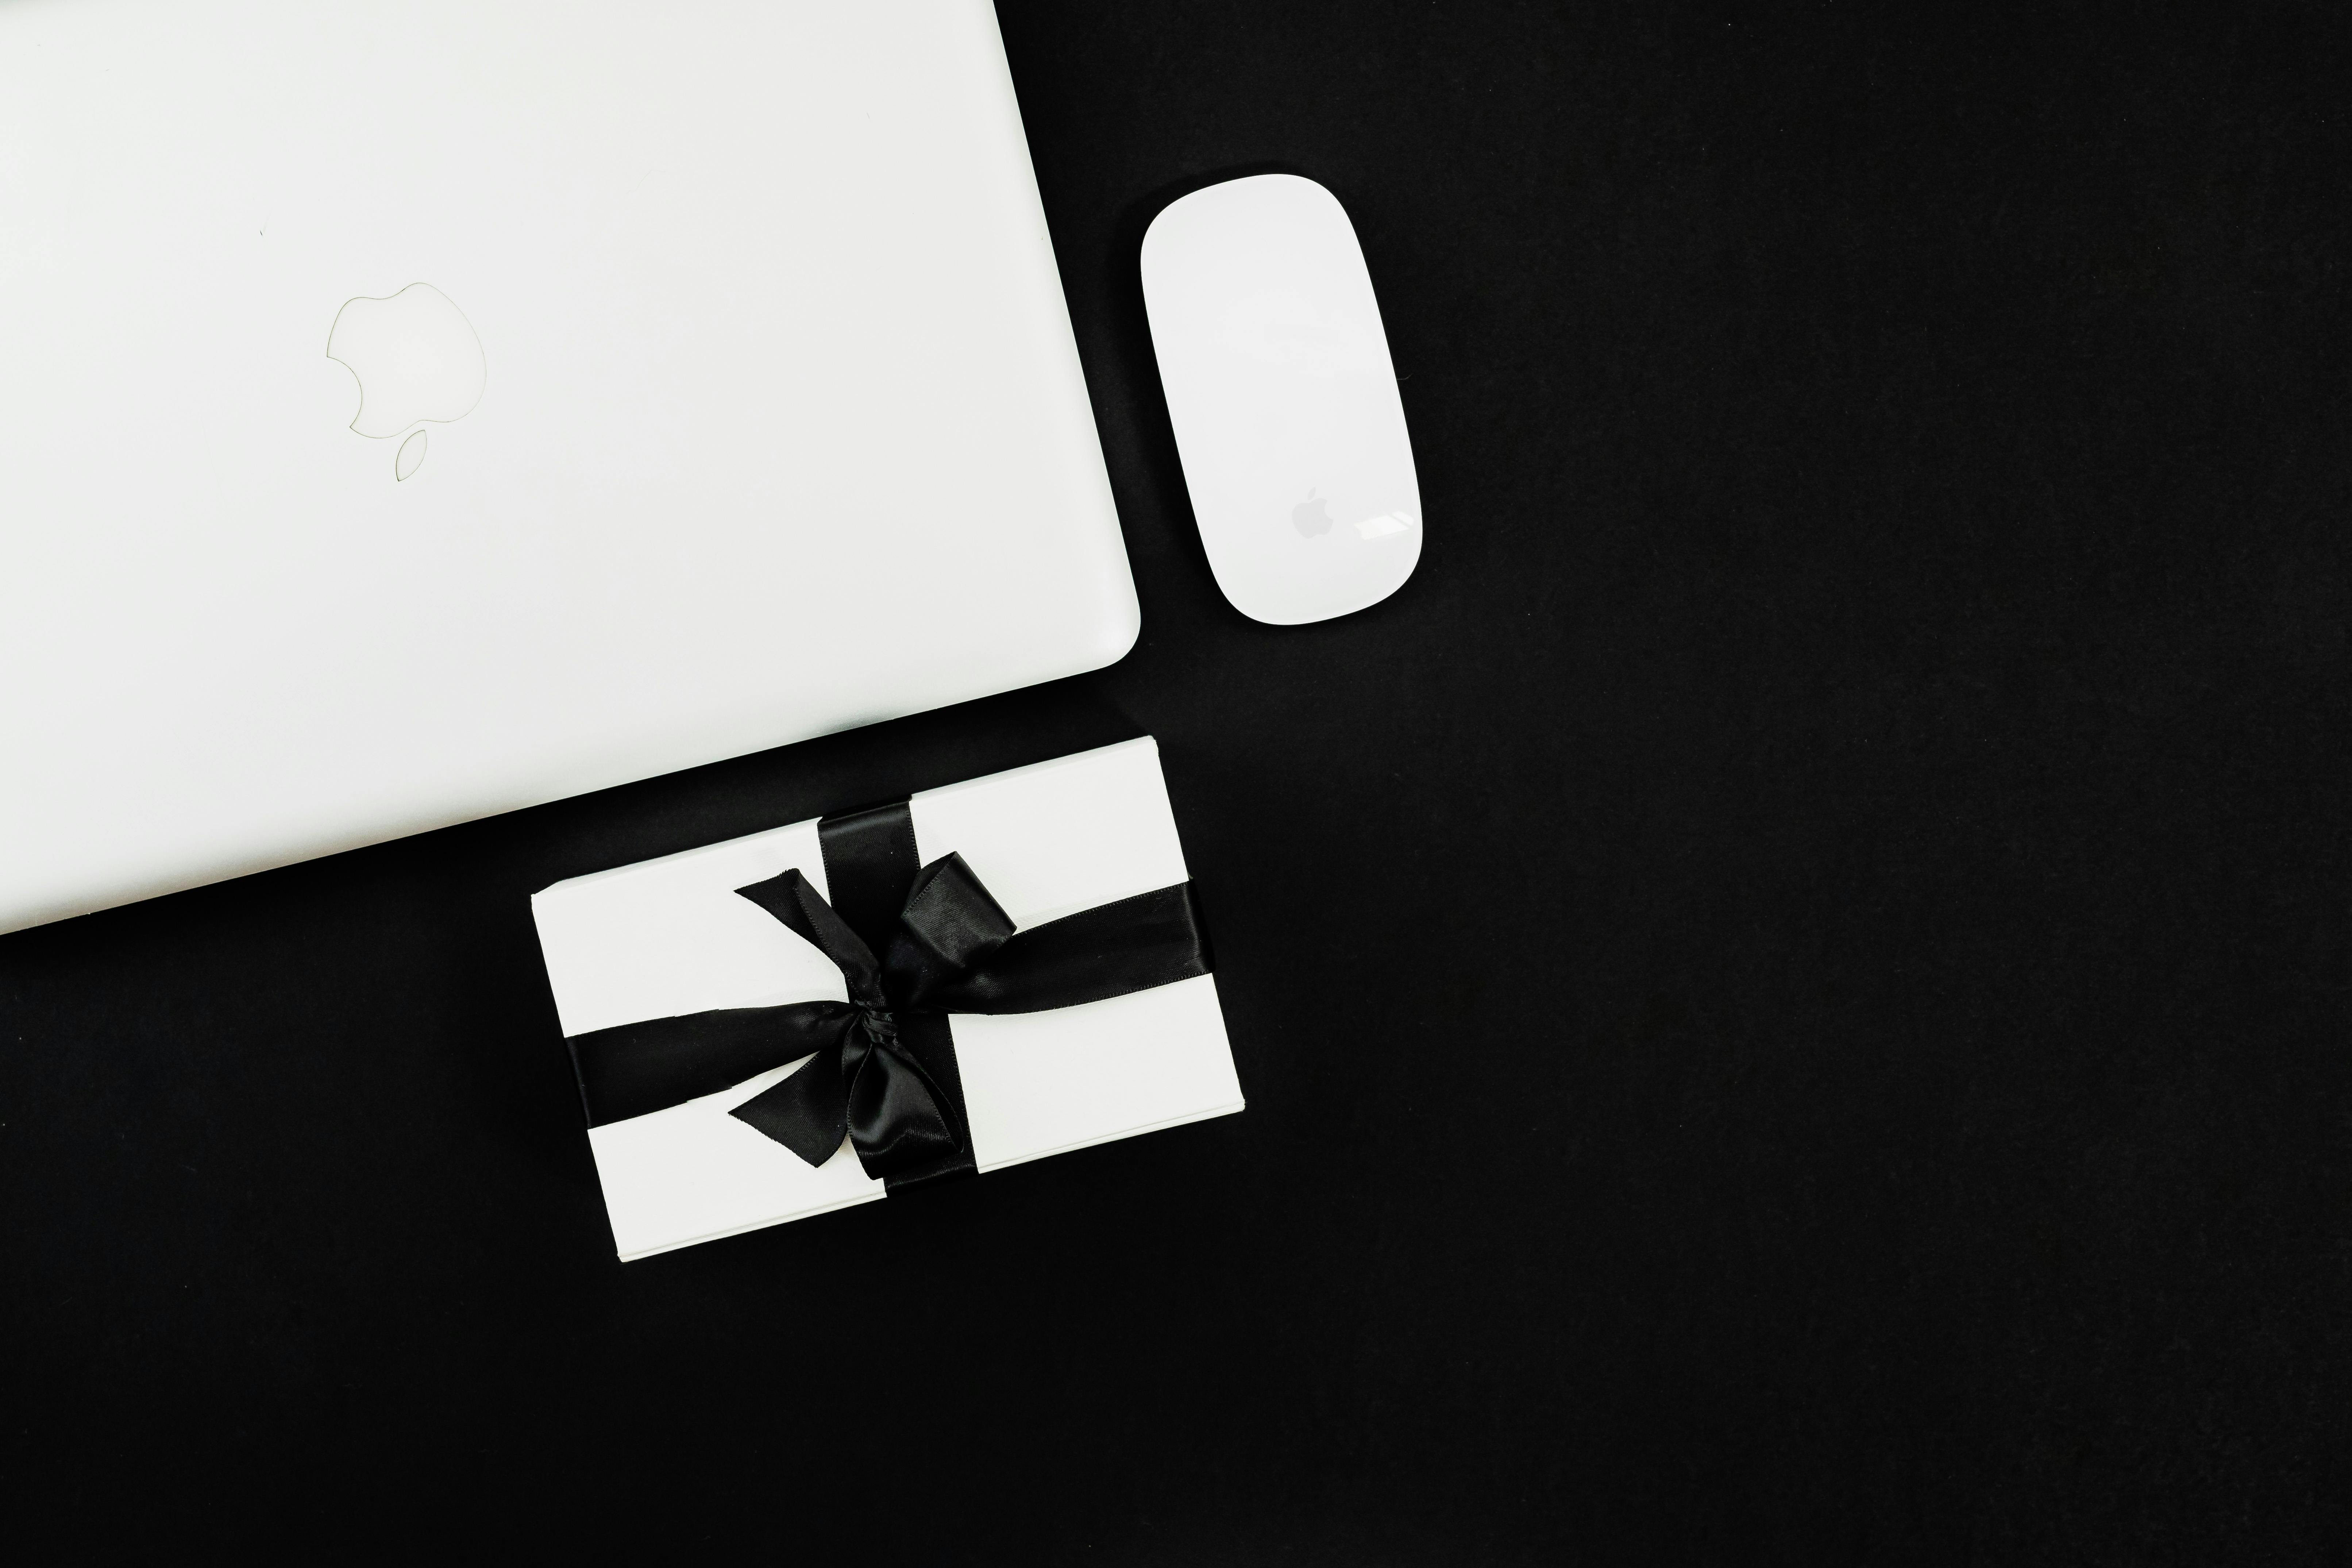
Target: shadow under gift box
668, 937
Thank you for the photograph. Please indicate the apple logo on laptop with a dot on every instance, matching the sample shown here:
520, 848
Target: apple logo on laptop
1310, 517
418, 362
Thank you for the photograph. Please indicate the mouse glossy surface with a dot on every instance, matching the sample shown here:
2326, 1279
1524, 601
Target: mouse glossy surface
1282, 398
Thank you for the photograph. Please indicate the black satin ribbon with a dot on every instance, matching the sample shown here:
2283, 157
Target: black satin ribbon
883, 1070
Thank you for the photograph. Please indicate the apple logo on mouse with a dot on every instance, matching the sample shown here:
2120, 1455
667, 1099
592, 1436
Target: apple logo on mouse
1311, 517
418, 362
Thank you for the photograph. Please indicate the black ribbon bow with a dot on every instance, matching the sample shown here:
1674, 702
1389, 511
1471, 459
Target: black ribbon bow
883, 1068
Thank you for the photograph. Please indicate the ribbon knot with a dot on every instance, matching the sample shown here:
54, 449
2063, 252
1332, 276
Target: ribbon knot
881, 1068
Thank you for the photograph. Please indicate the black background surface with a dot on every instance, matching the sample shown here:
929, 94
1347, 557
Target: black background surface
1790, 983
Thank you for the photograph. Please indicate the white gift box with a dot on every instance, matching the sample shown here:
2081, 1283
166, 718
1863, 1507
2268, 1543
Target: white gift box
668, 937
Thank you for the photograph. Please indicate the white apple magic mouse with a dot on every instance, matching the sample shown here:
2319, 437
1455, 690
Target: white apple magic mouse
1282, 398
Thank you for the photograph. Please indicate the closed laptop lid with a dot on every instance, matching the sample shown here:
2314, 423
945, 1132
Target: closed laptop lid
701, 381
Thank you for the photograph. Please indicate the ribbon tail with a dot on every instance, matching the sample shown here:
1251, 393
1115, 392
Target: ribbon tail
807, 1112
804, 911
638, 1068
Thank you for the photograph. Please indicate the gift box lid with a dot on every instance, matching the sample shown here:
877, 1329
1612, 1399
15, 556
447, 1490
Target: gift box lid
669, 936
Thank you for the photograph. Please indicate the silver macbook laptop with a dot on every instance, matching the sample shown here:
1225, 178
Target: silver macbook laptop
416, 409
